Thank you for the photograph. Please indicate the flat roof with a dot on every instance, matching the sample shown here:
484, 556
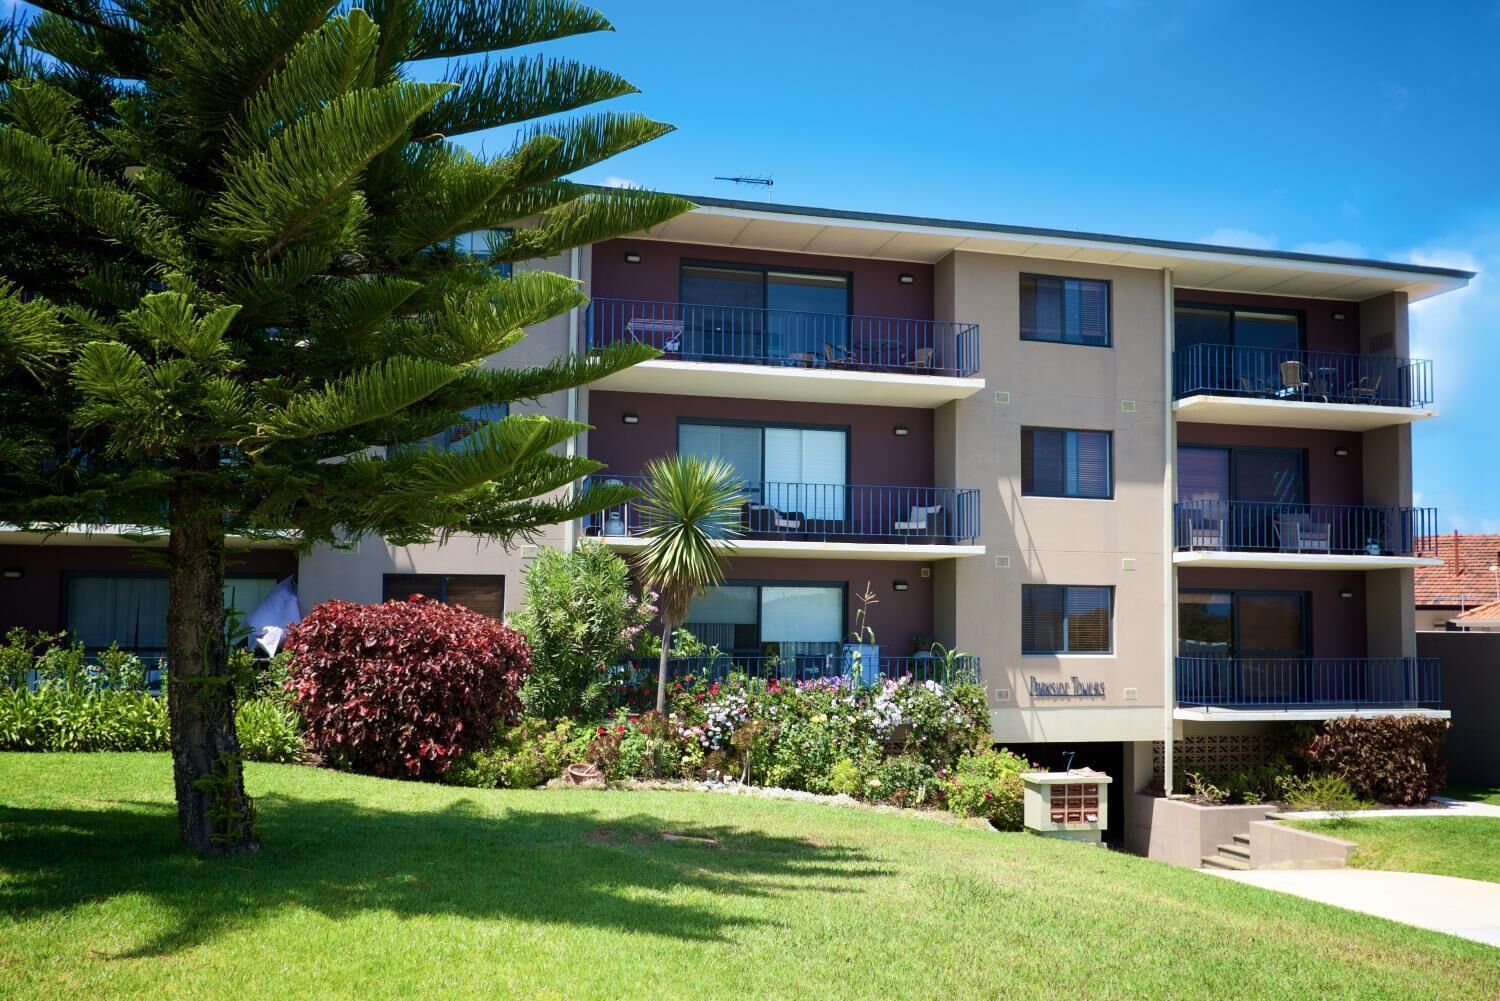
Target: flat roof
816, 230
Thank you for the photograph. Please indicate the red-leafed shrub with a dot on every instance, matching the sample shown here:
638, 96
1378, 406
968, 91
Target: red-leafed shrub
1388, 759
406, 687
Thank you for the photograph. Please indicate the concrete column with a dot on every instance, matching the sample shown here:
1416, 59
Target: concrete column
1383, 327
1390, 613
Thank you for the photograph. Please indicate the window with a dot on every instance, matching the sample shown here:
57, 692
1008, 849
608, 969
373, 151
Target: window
480, 245
1242, 624
1242, 475
482, 593
1056, 463
1241, 328
750, 311
452, 439
798, 618
1056, 619
797, 469
1065, 310
130, 609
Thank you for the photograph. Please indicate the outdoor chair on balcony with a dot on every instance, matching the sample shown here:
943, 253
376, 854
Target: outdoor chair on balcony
1366, 390
1253, 387
1300, 533
921, 359
837, 357
758, 517
1202, 531
1294, 379
666, 334
923, 520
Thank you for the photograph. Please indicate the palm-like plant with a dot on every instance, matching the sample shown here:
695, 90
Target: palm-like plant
690, 514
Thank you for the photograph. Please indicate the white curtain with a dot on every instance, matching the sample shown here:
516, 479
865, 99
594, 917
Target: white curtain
794, 614
805, 471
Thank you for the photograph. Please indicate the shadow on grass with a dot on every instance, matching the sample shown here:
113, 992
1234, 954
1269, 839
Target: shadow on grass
339, 858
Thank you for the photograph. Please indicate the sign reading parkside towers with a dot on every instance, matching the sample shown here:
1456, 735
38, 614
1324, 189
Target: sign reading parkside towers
1073, 688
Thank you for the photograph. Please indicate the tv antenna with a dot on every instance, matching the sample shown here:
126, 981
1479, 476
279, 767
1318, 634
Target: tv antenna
763, 182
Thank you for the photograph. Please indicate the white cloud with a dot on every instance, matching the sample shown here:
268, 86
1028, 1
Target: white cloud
1229, 236
619, 182
1333, 248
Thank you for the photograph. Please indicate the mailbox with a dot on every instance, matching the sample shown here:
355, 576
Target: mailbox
1073, 805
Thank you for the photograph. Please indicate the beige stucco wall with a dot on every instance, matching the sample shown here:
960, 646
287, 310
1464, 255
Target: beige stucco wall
357, 575
1115, 542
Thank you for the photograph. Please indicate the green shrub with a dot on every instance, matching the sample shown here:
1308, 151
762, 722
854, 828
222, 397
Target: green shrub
1320, 792
846, 778
905, 781
988, 784
270, 730
524, 756
54, 717
1386, 759
580, 618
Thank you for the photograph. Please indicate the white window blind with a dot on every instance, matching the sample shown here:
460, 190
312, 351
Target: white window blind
798, 614
805, 471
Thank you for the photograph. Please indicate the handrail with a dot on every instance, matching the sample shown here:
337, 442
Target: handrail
806, 667
1327, 529
785, 337
1302, 376
1373, 682
825, 511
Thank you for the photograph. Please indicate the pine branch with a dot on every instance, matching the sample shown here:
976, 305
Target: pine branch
451, 28
593, 217
375, 392
506, 91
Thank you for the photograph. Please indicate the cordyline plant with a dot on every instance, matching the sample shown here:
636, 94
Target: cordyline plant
231, 305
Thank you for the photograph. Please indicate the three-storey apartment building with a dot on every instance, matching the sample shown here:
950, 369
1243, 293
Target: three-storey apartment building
1160, 492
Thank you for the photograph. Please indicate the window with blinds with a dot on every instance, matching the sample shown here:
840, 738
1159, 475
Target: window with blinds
1066, 619
1061, 463
482, 593
1065, 310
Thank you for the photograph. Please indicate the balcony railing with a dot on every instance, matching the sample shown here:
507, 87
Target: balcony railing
1290, 682
1302, 376
784, 337
1322, 529
832, 512
804, 667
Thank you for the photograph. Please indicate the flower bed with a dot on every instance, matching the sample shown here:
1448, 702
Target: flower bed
896, 742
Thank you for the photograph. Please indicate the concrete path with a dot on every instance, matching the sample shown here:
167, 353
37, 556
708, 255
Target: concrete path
1449, 808
1468, 908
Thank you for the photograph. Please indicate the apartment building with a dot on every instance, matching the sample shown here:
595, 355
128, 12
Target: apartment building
1161, 492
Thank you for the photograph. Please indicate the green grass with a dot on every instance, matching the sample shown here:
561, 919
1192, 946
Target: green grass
375, 889
1474, 793
1446, 846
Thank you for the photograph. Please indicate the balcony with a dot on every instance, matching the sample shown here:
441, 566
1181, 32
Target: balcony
804, 666
1217, 687
1301, 536
784, 354
1272, 387
827, 520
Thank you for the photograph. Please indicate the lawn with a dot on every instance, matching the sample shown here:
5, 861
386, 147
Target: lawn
1447, 846
375, 889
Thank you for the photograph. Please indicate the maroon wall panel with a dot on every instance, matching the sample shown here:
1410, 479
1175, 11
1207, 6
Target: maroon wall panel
876, 456
876, 285
1338, 624
34, 601
1321, 331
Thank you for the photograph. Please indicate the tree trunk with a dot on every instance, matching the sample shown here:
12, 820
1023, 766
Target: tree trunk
214, 816
661, 671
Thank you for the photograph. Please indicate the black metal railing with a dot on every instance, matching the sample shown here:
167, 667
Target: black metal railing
805, 667
746, 336
1288, 682
815, 512
1303, 376
1329, 529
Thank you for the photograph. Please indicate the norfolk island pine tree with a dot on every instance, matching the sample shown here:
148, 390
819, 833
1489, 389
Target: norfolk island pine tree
230, 307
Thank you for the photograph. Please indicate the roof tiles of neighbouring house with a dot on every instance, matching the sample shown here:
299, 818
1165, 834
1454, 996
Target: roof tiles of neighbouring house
1483, 613
1465, 578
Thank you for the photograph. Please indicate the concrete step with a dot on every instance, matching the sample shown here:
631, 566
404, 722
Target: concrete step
1235, 851
1242, 839
1224, 862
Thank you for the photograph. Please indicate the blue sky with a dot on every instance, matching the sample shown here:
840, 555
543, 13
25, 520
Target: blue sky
1368, 129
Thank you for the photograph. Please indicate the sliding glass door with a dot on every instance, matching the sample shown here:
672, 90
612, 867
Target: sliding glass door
1237, 497
748, 619
752, 313
130, 609
801, 472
